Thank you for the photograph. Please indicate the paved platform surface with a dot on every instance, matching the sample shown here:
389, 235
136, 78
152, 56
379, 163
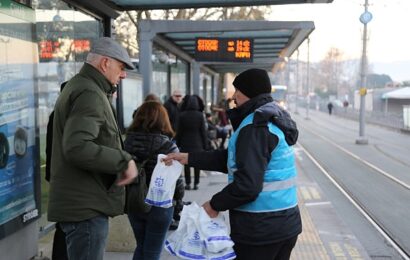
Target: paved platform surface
324, 236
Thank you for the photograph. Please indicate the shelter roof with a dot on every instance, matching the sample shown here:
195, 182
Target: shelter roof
401, 93
180, 4
273, 42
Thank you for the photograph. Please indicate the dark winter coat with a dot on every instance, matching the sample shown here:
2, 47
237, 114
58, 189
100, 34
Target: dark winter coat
253, 151
87, 153
140, 144
49, 143
192, 132
49, 140
173, 112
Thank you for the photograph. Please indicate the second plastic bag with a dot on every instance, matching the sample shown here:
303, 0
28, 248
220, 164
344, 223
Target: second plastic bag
200, 237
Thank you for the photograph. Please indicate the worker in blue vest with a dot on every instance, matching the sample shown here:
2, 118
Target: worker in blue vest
261, 192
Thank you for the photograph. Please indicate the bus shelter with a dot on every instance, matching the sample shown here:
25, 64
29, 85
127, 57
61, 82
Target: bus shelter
220, 46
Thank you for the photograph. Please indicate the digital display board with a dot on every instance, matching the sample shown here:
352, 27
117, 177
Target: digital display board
49, 50
224, 49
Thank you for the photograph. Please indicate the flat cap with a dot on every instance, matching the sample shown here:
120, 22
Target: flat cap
109, 47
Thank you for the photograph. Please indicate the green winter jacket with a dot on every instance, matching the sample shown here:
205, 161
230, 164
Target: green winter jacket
87, 152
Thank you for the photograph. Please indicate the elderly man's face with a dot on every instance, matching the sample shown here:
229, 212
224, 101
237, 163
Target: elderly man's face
177, 97
115, 71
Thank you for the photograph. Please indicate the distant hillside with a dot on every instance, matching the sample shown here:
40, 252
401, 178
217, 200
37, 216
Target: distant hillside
398, 71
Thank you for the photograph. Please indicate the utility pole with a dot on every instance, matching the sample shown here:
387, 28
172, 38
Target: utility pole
364, 18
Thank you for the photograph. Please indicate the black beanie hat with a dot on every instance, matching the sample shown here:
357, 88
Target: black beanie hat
253, 82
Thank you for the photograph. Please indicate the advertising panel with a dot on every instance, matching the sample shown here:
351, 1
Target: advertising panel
18, 147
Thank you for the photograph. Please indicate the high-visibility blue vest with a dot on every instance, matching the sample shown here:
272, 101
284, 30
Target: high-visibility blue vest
279, 183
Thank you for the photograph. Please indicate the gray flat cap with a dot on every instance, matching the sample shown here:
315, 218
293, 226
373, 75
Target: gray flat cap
108, 47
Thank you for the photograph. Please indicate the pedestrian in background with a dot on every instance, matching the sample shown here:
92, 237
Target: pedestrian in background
330, 108
345, 105
191, 135
150, 134
261, 194
88, 164
149, 97
172, 106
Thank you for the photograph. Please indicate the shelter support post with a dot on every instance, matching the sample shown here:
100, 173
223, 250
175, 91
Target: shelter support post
196, 70
145, 63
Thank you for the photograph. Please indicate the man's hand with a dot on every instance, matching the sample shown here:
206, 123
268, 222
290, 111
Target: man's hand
180, 157
211, 212
129, 174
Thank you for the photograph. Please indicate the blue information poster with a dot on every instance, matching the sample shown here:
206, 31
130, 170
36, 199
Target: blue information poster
18, 149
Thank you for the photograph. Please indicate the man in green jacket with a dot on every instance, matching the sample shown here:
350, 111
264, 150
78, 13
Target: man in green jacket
88, 165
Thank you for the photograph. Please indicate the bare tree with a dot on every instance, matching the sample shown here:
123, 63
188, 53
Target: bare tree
330, 72
126, 28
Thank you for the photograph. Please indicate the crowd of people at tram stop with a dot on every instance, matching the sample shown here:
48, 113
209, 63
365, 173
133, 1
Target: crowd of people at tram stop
89, 164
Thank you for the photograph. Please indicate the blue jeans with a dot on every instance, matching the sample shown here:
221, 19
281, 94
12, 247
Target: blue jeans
86, 239
150, 230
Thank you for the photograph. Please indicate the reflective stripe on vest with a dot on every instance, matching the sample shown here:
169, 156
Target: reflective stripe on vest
279, 182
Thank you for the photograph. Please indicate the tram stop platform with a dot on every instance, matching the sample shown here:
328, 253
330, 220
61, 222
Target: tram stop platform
324, 236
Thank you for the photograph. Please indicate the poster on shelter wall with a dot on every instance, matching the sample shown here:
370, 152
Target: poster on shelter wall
18, 149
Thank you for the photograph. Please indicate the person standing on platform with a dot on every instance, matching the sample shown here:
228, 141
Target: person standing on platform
150, 134
192, 134
59, 251
172, 106
88, 164
261, 192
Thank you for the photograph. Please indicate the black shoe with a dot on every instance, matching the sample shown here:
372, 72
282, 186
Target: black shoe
174, 225
188, 187
195, 186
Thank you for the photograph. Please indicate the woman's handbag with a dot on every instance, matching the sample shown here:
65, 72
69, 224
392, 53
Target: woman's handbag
137, 192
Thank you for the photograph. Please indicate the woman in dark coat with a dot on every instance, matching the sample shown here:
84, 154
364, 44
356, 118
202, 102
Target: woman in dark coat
150, 134
192, 134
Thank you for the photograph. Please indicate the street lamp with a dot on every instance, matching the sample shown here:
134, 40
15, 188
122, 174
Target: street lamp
308, 80
365, 18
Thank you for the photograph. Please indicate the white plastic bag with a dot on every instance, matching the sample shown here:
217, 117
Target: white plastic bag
185, 242
215, 232
162, 186
200, 237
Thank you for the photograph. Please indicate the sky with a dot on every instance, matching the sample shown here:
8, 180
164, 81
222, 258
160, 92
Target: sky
337, 25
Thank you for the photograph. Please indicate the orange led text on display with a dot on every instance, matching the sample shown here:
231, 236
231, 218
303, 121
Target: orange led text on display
49, 49
224, 49
207, 45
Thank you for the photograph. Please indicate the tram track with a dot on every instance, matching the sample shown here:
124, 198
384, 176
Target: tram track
355, 201
341, 132
358, 158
